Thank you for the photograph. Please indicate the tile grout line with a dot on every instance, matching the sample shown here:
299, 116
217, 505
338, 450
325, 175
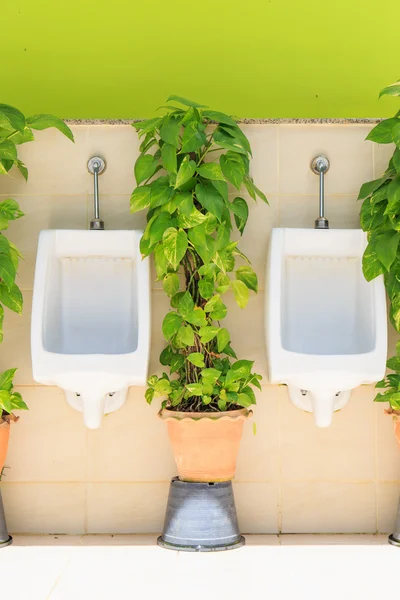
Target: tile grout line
376, 469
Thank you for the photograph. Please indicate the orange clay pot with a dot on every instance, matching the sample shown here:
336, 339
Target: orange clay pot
205, 445
4, 437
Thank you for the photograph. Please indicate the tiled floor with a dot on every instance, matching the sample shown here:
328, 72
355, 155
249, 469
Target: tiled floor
349, 567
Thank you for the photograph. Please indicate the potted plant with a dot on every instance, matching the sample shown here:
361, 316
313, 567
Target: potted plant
188, 157
380, 218
15, 129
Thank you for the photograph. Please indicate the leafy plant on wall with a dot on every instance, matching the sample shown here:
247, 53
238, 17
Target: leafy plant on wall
188, 157
380, 217
15, 130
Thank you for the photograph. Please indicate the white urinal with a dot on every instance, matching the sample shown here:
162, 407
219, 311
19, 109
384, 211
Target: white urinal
326, 326
91, 317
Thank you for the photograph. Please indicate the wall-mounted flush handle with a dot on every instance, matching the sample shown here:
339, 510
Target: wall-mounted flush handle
319, 166
96, 165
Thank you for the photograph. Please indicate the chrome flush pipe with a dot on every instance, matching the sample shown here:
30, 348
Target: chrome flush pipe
319, 166
96, 166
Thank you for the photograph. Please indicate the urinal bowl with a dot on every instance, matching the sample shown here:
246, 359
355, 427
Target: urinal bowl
91, 317
326, 327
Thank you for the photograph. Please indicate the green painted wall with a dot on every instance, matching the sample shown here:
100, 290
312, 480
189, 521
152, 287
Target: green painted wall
256, 58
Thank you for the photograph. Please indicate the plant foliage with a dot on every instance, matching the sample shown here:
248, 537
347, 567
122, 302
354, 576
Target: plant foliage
188, 159
15, 129
380, 218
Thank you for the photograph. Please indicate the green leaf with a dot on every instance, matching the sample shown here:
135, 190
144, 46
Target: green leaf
206, 289
237, 134
391, 90
210, 199
208, 333
169, 130
11, 118
219, 117
241, 211
193, 137
241, 293
186, 305
7, 270
210, 376
197, 317
243, 368
223, 283
369, 187
171, 284
158, 227
8, 150
386, 247
211, 171
160, 261
249, 278
186, 172
223, 338
233, 168
396, 134
149, 395
371, 265
161, 192
166, 356
12, 298
5, 401
185, 102
221, 187
41, 122
168, 158
22, 169
148, 125
244, 400
222, 404
175, 245
393, 363
10, 210
393, 196
163, 387
224, 140
17, 402
197, 359
192, 218
186, 335
145, 167
6, 379
171, 323
382, 133
140, 198
195, 389
396, 160
177, 362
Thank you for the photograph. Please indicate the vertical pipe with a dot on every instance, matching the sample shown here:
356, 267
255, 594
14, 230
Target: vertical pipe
321, 195
96, 167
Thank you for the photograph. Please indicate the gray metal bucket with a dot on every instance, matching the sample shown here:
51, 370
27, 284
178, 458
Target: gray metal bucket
394, 539
201, 517
5, 539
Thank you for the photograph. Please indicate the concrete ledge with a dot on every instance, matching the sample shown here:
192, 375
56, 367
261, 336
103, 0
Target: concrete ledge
61, 567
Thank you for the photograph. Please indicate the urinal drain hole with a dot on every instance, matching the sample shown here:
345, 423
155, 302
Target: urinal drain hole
111, 393
77, 394
304, 392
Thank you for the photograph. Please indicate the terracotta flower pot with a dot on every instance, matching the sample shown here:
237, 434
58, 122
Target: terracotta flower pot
205, 445
4, 437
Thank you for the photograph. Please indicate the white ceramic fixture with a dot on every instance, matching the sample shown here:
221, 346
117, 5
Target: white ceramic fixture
326, 326
91, 317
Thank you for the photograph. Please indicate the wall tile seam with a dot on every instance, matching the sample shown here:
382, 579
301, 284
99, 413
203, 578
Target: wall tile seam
91, 123
253, 482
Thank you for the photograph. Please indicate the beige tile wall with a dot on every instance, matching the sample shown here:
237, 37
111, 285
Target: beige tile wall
291, 476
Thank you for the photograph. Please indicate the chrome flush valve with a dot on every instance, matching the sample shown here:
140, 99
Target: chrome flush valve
96, 166
319, 166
